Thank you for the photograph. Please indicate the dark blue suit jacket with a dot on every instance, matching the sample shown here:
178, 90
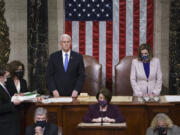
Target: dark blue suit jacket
112, 112
65, 82
9, 117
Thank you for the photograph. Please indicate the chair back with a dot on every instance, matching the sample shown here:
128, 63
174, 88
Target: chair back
122, 77
93, 71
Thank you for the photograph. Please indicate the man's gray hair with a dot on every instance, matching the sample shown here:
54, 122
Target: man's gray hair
65, 35
40, 111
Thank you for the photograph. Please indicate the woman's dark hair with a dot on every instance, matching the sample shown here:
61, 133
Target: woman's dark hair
147, 47
107, 94
13, 66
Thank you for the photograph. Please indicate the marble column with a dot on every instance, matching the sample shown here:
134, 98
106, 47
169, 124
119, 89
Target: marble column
161, 39
37, 43
4, 36
174, 49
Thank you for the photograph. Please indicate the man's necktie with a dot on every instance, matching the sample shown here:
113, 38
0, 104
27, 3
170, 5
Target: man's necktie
66, 62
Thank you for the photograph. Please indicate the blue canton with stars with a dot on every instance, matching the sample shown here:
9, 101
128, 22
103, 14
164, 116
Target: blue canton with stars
88, 10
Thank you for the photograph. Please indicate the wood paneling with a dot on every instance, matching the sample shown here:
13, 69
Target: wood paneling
101, 131
138, 115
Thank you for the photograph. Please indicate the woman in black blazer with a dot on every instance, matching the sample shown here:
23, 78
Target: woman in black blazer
16, 84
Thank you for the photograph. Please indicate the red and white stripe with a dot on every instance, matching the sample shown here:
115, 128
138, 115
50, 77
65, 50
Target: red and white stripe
110, 41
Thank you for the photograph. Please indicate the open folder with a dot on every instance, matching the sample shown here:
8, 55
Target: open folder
27, 96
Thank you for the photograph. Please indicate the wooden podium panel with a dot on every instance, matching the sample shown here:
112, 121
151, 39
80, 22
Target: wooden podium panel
104, 129
134, 115
72, 115
69, 115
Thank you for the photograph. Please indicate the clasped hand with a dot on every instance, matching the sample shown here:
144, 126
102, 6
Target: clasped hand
38, 130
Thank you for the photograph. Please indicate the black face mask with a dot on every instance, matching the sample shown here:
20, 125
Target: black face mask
162, 130
19, 74
41, 123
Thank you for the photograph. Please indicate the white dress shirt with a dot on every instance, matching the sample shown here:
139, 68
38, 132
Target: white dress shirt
18, 87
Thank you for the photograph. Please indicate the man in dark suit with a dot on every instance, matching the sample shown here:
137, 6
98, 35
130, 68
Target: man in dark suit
41, 126
9, 119
65, 73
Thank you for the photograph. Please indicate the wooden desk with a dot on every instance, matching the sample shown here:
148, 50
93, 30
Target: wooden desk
138, 115
104, 129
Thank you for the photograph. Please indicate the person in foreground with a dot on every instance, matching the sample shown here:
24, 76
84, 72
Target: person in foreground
162, 125
65, 73
103, 111
16, 84
9, 118
41, 125
146, 75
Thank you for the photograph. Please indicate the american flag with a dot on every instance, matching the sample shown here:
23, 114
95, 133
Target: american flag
109, 30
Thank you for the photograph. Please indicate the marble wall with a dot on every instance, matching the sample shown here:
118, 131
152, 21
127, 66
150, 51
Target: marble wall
16, 17
55, 23
161, 37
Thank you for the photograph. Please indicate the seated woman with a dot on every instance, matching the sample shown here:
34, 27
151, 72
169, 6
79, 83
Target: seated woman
103, 111
16, 83
146, 75
162, 125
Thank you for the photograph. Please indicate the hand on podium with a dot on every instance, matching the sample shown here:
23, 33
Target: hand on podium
108, 120
97, 120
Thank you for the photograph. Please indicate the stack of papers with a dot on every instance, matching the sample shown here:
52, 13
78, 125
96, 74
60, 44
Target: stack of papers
58, 100
104, 124
27, 96
173, 98
83, 97
121, 99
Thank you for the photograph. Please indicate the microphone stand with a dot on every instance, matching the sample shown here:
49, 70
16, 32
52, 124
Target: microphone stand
101, 118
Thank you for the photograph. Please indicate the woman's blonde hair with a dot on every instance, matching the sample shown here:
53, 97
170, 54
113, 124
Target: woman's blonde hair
161, 117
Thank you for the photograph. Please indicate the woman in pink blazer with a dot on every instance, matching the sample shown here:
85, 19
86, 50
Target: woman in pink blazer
146, 75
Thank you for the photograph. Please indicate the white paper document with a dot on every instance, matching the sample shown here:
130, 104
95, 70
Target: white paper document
58, 100
173, 98
24, 98
104, 124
